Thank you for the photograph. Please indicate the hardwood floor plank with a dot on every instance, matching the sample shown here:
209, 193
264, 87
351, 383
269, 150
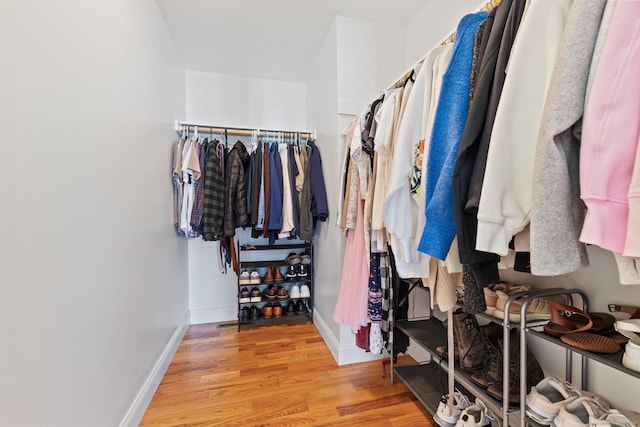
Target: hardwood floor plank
275, 376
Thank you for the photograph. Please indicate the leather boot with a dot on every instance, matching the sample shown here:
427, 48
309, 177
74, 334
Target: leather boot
470, 341
534, 371
492, 372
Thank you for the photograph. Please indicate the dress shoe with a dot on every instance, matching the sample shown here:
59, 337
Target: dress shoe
277, 310
245, 314
291, 309
270, 292
281, 293
277, 275
255, 313
268, 276
300, 307
267, 311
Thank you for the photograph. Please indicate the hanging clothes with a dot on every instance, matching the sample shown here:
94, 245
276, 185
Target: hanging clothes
557, 213
505, 202
351, 307
214, 196
474, 144
610, 133
235, 214
198, 202
451, 114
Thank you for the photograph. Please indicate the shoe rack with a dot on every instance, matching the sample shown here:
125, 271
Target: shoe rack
274, 282
430, 380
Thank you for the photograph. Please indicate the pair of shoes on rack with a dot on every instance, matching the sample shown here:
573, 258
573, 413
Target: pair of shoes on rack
630, 328
299, 271
273, 275
537, 309
594, 411
448, 415
557, 402
249, 277
587, 331
270, 310
244, 296
300, 292
491, 295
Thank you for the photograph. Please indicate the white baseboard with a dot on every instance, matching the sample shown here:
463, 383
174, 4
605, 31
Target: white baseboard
343, 353
329, 338
139, 406
214, 315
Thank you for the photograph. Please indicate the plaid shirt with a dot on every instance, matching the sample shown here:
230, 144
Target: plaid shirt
198, 201
213, 198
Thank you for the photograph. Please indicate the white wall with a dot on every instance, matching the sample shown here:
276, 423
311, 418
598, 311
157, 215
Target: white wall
93, 279
425, 32
370, 58
322, 115
226, 100
357, 61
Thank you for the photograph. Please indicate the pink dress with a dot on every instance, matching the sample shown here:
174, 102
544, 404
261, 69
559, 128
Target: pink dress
351, 308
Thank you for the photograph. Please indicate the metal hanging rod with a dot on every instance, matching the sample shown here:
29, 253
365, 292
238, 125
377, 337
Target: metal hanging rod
232, 130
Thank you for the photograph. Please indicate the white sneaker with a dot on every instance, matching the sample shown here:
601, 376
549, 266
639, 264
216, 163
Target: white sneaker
245, 278
254, 277
446, 416
581, 411
617, 418
547, 397
476, 415
294, 292
305, 292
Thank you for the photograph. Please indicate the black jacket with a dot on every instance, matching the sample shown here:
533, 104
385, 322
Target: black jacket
474, 144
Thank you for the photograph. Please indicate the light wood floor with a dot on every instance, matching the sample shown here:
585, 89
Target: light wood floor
276, 376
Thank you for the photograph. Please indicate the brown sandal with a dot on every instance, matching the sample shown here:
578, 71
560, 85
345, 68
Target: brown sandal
566, 319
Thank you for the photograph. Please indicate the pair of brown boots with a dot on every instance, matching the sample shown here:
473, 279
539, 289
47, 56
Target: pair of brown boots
480, 350
273, 275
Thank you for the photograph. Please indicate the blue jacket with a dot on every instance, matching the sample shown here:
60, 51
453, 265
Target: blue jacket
449, 122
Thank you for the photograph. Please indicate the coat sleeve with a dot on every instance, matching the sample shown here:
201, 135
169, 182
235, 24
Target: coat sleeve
319, 204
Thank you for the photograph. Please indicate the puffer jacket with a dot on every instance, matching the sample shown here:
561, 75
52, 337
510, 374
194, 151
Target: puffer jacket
235, 211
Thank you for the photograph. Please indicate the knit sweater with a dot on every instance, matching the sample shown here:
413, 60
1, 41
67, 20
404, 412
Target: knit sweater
557, 212
450, 118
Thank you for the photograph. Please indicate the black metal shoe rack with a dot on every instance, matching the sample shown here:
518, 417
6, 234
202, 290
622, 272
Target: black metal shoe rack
262, 257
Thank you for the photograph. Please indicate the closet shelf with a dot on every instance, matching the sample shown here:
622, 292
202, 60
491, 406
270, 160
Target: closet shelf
431, 333
420, 380
612, 360
279, 321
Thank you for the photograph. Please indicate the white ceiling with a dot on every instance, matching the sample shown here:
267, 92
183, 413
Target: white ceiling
272, 39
